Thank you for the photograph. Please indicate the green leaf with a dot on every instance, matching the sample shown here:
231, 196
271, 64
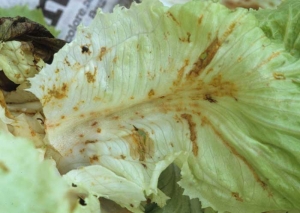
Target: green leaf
195, 84
282, 25
30, 184
177, 202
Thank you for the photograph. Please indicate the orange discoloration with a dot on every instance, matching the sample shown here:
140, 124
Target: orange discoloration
180, 73
237, 196
62, 117
186, 39
103, 51
3, 167
18, 75
67, 62
271, 57
97, 98
94, 159
204, 59
279, 76
90, 141
245, 4
141, 145
81, 135
94, 123
32, 133
193, 132
222, 88
75, 108
82, 150
151, 93
91, 77
200, 19
233, 150
59, 93
229, 30
98, 130
170, 15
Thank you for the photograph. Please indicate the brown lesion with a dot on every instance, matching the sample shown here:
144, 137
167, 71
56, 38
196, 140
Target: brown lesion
187, 38
151, 93
90, 141
204, 59
237, 196
245, 4
141, 145
193, 132
94, 159
233, 150
56, 92
170, 15
270, 58
209, 98
103, 51
91, 77
220, 87
279, 76
3, 167
85, 49
181, 72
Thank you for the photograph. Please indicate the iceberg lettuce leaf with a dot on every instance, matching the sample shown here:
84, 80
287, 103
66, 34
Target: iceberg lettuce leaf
30, 184
141, 88
282, 25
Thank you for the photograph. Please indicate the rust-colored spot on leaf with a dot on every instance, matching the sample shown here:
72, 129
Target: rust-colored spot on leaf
279, 76
170, 15
18, 75
193, 133
3, 167
58, 93
141, 145
221, 88
94, 123
180, 73
66, 61
62, 117
81, 135
91, 77
98, 130
75, 108
103, 51
205, 121
271, 57
82, 150
200, 19
204, 59
245, 4
186, 39
32, 132
90, 141
94, 159
151, 93
237, 196
208, 98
